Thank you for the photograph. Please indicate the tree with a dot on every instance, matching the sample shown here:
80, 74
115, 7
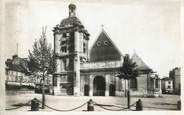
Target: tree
128, 72
41, 60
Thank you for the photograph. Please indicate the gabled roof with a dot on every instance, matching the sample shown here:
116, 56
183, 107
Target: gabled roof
104, 35
104, 49
140, 63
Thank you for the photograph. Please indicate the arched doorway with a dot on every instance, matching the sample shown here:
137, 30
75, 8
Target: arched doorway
99, 86
112, 90
86, 90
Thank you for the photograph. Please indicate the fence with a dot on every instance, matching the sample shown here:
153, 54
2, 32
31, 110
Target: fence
138, 106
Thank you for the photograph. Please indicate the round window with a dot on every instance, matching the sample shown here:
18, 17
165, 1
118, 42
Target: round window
98, 43
106, 42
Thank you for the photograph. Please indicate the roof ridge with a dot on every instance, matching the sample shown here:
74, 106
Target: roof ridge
140, 63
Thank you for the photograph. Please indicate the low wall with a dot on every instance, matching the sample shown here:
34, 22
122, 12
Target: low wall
20, 92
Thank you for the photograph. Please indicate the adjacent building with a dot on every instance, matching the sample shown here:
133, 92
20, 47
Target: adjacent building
167, 85
84, 72
175, 74
17, 73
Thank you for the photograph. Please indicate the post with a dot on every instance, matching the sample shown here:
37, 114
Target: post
128, 99
90, 106
125, 89
139, 106
43, 92
179, 105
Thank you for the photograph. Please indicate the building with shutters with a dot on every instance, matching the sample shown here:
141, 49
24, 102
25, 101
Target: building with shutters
17, 73
84, 72
167, 85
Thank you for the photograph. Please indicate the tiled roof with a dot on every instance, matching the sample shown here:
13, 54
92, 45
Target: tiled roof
140, 63
17, 64
104, 49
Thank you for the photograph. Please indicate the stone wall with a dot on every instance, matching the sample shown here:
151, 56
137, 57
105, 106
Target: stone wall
142, 84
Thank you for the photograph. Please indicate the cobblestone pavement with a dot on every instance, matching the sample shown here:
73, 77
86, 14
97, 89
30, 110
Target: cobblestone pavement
167, 102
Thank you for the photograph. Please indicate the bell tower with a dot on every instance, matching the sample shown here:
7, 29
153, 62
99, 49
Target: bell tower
70, 49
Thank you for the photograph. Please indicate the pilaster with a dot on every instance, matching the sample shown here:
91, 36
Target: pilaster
77, 64
116, 85
107, 85
91, 85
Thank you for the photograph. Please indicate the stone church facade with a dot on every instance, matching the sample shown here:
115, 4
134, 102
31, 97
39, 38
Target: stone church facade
84, 72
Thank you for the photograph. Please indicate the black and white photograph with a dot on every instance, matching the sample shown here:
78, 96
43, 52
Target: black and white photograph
91, 56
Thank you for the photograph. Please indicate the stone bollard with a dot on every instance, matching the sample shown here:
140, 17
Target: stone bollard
139, 106
179, 105
90, 105
34, 105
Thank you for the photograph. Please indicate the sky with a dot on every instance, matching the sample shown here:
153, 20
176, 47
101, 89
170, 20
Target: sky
149, 28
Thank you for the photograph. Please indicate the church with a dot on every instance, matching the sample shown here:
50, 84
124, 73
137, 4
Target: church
83, 72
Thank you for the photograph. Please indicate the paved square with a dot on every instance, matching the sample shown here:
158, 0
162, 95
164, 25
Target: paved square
167, 102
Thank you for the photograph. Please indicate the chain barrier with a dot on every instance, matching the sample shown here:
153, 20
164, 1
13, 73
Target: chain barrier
25, 104
120, 108
65, 110
102, 106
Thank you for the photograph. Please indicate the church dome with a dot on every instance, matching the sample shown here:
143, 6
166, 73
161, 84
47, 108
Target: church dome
70, 21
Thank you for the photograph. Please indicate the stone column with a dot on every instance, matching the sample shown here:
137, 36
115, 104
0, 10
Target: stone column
154, 83
57, 90
116, 85
153, 86
77, 64
106, 85
91, 85
160, 87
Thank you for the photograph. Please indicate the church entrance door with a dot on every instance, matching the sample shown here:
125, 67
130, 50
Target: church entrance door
99, 86
86, 90
112, 90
